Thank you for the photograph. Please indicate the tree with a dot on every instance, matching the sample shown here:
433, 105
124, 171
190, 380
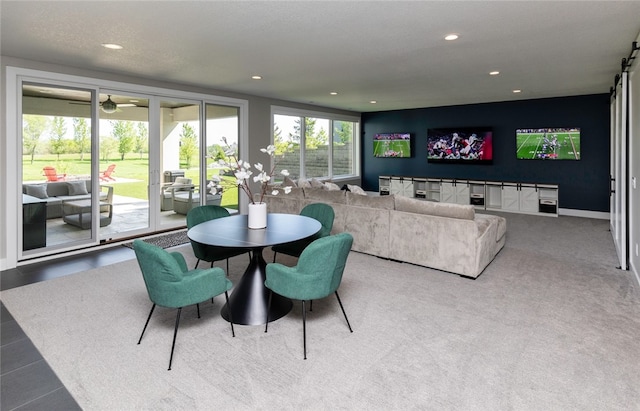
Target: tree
188, 144
81, 136
32, 129
58, 131
142, 138
124, 133
215, 152
107, 146
343, 130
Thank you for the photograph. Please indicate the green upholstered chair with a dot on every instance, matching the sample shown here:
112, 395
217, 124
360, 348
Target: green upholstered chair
205, 252
320, 211
317, 275
170, 284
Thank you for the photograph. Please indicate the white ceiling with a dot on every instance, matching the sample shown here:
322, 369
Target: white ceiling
389, 51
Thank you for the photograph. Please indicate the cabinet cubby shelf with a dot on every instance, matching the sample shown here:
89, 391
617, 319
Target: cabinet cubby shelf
525, 198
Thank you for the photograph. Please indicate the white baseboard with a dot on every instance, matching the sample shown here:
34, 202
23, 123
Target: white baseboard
602, 215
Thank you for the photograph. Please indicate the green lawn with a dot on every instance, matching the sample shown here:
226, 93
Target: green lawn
132, 168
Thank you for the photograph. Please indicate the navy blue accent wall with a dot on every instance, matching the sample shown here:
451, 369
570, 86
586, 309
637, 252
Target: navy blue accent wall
584, 184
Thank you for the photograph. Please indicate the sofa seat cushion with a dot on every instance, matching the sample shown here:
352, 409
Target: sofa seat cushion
412, 205
381, 202
73, 198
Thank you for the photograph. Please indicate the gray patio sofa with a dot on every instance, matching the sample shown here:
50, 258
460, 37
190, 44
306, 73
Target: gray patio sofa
57, 192
448, 237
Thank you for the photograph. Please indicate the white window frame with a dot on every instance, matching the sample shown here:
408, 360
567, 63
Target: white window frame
288, 111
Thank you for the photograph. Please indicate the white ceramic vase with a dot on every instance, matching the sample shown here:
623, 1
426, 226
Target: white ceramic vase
257, 216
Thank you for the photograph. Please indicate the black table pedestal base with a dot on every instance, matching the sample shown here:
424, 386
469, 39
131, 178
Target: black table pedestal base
250, 298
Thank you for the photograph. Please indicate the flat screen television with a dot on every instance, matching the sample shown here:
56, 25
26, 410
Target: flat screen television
396, 145
461, 145
548, 143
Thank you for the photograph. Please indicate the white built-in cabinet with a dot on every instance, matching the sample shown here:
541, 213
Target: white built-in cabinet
526, 198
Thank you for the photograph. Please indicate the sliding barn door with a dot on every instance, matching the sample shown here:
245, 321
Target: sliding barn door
619, 171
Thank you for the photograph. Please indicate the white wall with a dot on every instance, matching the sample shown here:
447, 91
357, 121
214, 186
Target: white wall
634, 168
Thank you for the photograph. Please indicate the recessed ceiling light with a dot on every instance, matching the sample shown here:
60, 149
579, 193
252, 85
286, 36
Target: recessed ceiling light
450, 37
517, 91
373, 102
256, 77
494, 73
112, 46
334, 93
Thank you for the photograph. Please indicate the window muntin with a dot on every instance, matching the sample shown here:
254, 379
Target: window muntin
315, 145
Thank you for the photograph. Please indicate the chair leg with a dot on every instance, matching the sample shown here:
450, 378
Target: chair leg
198, 308
227, 267
343, 312
304, 330
175, 334
197, 262
147, 323
266, 323
226, 295
274, 256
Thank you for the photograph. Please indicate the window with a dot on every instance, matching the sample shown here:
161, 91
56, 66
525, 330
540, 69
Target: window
312, 144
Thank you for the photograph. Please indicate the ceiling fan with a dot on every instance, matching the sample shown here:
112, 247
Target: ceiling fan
108, 106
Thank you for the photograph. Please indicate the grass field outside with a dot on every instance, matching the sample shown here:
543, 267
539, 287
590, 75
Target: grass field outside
131, 168
548, 144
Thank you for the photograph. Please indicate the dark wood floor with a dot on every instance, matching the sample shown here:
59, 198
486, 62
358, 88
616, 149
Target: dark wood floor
27, 381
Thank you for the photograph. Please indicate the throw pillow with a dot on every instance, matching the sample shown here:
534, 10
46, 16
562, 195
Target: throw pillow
315, 183
331, 186
181, 184
37, 190
288, 182
356, 189
304, 183
77, 188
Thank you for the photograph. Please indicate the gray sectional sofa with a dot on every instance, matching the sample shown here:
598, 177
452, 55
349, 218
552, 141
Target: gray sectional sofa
57, 192
448, 237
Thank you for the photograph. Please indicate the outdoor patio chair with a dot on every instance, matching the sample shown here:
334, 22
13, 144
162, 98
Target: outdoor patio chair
52, 174
106, 174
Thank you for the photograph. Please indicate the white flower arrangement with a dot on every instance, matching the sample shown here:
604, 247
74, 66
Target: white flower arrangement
242, 172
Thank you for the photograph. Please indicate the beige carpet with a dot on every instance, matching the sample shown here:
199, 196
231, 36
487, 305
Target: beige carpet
550, 325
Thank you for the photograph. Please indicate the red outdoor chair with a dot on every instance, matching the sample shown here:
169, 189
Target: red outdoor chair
106, 174
52, 175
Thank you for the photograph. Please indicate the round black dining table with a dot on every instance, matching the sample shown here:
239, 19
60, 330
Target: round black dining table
248, 302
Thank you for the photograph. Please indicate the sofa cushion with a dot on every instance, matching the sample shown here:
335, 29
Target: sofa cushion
383, 202
329, 186
304, 183
412, 205
356, 189
37, 190
315, 183
289, 182
77, 188
325, 196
